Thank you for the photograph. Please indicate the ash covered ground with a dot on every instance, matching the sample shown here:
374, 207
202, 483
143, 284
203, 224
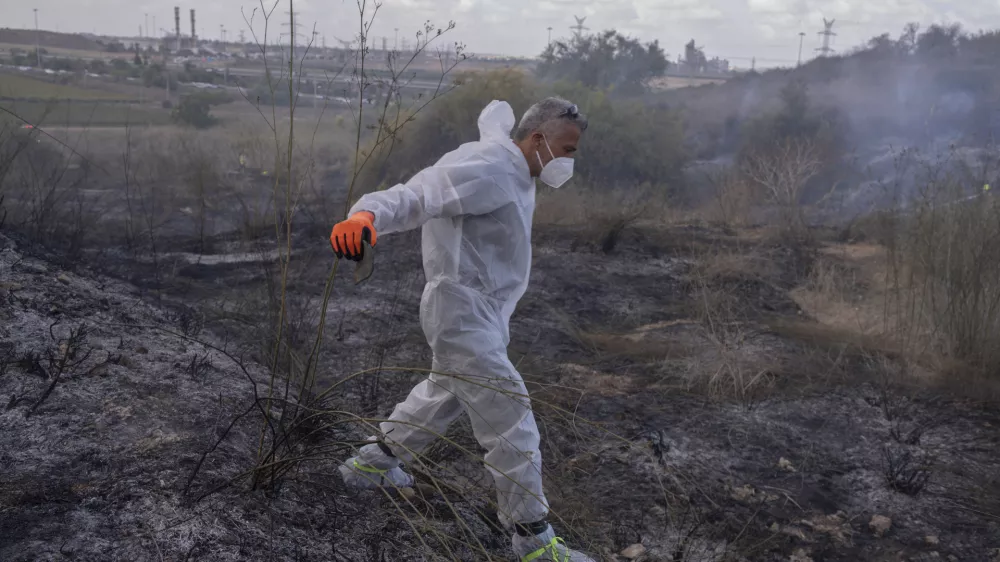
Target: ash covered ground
663, 439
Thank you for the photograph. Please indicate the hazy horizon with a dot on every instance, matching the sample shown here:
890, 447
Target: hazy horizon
734, 29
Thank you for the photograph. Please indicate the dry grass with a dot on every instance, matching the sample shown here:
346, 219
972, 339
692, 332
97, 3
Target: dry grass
723, 264
674, 82
717, 354
846, 289
733, 368
603, 214
652, 342
927, 297
71, 53
17, 86
733, 362
591, 381
564, 207
942, 283
920, 294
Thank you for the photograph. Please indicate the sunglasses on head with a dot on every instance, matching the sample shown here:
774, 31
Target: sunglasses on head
572, 112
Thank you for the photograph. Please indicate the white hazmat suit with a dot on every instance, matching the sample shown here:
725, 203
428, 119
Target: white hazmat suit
475, 205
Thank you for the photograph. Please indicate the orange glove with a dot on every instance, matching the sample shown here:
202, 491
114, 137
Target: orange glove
347, 235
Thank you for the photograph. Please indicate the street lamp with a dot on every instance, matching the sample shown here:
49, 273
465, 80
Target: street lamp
38, 43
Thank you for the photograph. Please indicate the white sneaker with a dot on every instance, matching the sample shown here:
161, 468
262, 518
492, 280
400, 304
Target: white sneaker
545, 547
366, 477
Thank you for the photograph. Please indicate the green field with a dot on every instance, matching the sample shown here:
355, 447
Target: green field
87, 114
20, 87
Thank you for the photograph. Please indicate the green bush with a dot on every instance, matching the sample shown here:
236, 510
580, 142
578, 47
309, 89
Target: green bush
156, 76
442, 126
97, 66
216, 97
194, 110
603, 61
193, 73
70, 65
261, 94
796, 119
626, 144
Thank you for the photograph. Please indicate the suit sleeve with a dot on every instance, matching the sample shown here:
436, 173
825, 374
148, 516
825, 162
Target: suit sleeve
441, 191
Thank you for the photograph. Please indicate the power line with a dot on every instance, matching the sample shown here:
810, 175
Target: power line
826, 33
293, 26
764, 59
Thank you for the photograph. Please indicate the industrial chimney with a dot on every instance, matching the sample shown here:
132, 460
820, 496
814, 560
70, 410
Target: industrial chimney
194, 36
177, 25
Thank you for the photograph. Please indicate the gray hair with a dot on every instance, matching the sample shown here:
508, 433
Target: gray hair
543, 113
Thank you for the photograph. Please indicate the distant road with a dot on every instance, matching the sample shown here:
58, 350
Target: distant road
418, 84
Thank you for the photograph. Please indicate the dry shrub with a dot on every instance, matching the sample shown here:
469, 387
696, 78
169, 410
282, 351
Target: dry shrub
734, 361
733, 368
46, 194
921, 285
602, 213
942, 279
783, 172
733, 199
833, 278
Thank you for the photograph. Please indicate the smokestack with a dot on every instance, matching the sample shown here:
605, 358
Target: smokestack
193, 34
177, 25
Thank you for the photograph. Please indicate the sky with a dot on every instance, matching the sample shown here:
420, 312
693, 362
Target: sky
739, 30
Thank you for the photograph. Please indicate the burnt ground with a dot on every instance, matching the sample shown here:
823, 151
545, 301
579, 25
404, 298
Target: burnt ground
673, 415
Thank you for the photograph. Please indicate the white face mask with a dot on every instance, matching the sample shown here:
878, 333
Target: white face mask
558, 171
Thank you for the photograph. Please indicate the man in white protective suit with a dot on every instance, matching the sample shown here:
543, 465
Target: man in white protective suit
475, 206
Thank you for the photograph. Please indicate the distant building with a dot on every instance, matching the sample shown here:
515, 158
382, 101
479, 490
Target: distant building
717, 66
170, 43
144, 43
694, 63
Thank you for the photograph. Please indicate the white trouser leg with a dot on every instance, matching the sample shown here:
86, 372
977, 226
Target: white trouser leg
492, 392
497, 402
469, 339
424, 416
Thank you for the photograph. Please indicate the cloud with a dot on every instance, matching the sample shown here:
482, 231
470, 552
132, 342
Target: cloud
767, 29
773, 6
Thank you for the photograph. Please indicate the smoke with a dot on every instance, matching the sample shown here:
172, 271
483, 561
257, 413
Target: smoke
907, 112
